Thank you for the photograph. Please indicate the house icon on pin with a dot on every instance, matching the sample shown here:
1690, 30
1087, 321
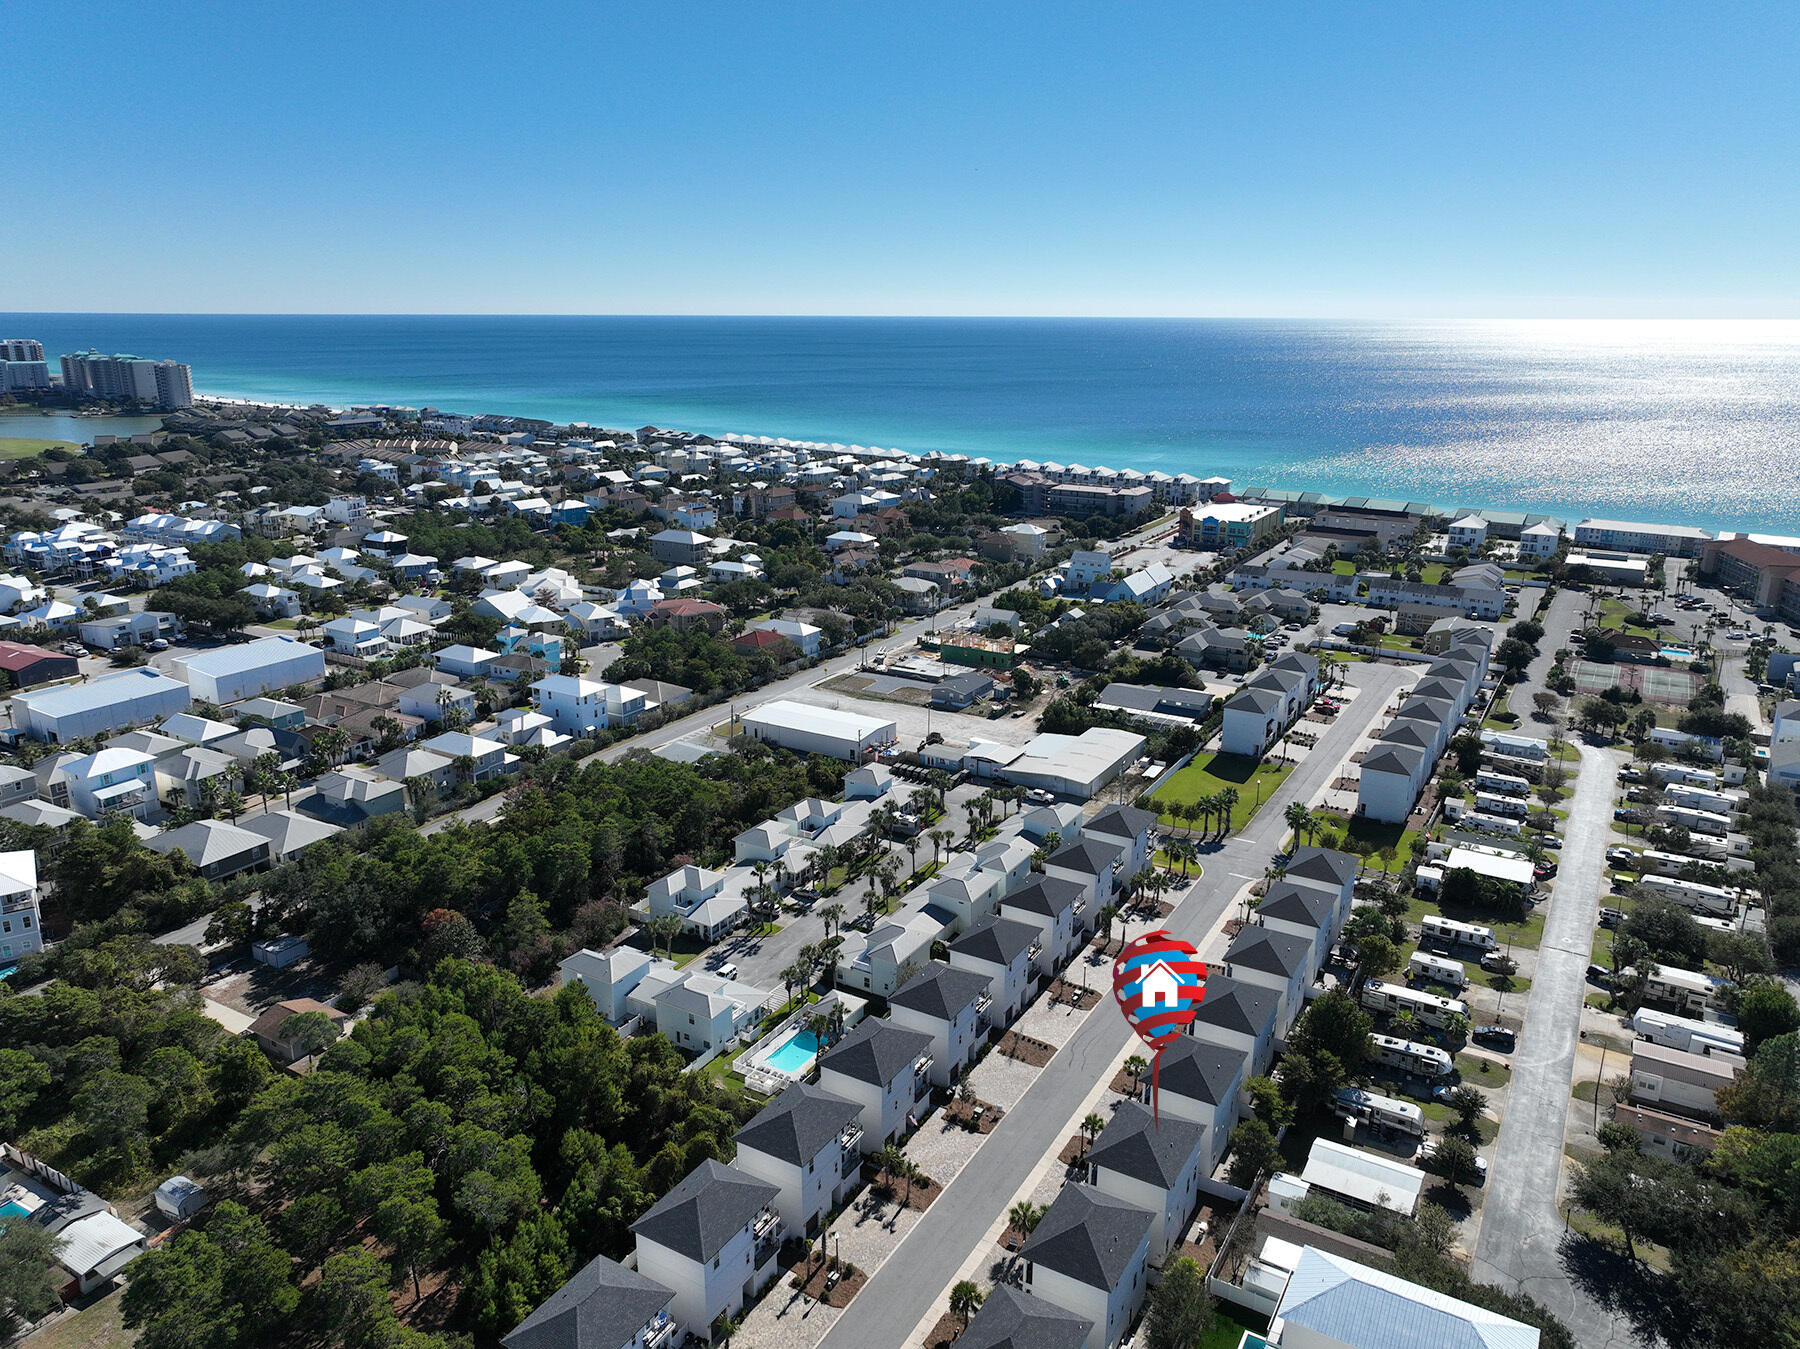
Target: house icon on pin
1160, 987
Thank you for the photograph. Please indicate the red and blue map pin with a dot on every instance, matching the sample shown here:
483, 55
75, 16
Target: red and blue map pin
1158, 982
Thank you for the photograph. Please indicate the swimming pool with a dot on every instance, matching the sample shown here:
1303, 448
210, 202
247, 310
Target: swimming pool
1677, 653
794, 1055
12, 1208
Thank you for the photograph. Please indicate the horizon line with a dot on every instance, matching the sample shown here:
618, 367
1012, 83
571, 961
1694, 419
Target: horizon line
889, 317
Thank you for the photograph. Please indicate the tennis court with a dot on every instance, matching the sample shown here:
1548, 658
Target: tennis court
1671, 688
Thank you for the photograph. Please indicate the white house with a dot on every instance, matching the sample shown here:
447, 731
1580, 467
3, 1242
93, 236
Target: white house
805, 1143
1001, 951
1090, 1255
699, 898
1330, 1302
1202, 1081
803, 635
107, 780
21, 923
890, 954
945, 1003
885, 1069
713, 1241
1279, 961
1154, 1164
608, 977
1239, 1015
580, 707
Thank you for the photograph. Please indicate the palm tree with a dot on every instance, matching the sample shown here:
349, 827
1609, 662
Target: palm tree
939, 839
1136, 1065
668, 927
965, 1300
1299, 819
794, 976
833, 914
1228, 800
1022, 1217
1091, 1127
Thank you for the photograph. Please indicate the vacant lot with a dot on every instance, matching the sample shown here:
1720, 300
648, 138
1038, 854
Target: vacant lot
1211, 775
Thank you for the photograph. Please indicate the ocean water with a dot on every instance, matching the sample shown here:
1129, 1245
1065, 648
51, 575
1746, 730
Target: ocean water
1688, 422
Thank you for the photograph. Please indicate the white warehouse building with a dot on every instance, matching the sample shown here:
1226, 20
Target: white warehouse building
129, 698
806, 729
233, 673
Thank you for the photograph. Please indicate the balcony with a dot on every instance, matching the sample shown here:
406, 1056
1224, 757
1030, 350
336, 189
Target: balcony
1080, 906
923, 1067
1036, 949
768, 1230
982, 1003
662, 1334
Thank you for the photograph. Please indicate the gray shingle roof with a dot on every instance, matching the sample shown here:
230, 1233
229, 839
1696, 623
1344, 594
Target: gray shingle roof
1123, 821
797, 1125
1231, 1004
941, 991
1298, 902
1088, 1236
602, 1306
1010, 1319
998, 941
710, 1206
876, 1052
1326, 865
1203, 1071
1262, 948
1392, 758
1049, 895
1139, 1146
1091, 856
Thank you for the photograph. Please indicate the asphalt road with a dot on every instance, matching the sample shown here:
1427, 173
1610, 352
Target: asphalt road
932, 1253
1521, 1230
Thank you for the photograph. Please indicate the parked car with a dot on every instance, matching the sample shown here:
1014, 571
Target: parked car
1620, 856
1292, 627
157, 644
1495, 1037
1611, 917
1481, 1166
1599, 974
1039, 796
727, 971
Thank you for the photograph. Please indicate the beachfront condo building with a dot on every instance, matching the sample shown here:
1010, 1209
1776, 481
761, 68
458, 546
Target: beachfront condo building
1630, 536
168, 384
20, 349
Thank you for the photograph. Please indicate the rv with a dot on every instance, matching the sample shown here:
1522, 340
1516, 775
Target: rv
1504, 783
1491, 803
1691, 894
1688, 990
1695, 821
1441, 931
1500, 825
1365, 1107
1410, 1057
1437, 969
1684, 1033
1392, 999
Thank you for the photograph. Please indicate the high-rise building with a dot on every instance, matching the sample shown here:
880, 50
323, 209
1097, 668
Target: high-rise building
168, 384
23, 375
174, 385
20, 349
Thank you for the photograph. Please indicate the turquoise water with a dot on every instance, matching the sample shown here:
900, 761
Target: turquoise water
1677, 653
1681, 422
795, 1054
12, 1208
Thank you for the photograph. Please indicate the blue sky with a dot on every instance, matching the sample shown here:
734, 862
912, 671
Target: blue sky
1186, 158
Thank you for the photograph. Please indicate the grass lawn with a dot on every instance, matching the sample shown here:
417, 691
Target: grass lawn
1375, 835
1506, 983
1612, 615
1162, 859
1480, 1072
1394, 641
23, 447
1226, 1331
1439, 1113
1344, 566
1526, 934
1254, 780
1433, 572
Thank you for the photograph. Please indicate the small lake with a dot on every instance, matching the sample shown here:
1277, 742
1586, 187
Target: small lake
79, 430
